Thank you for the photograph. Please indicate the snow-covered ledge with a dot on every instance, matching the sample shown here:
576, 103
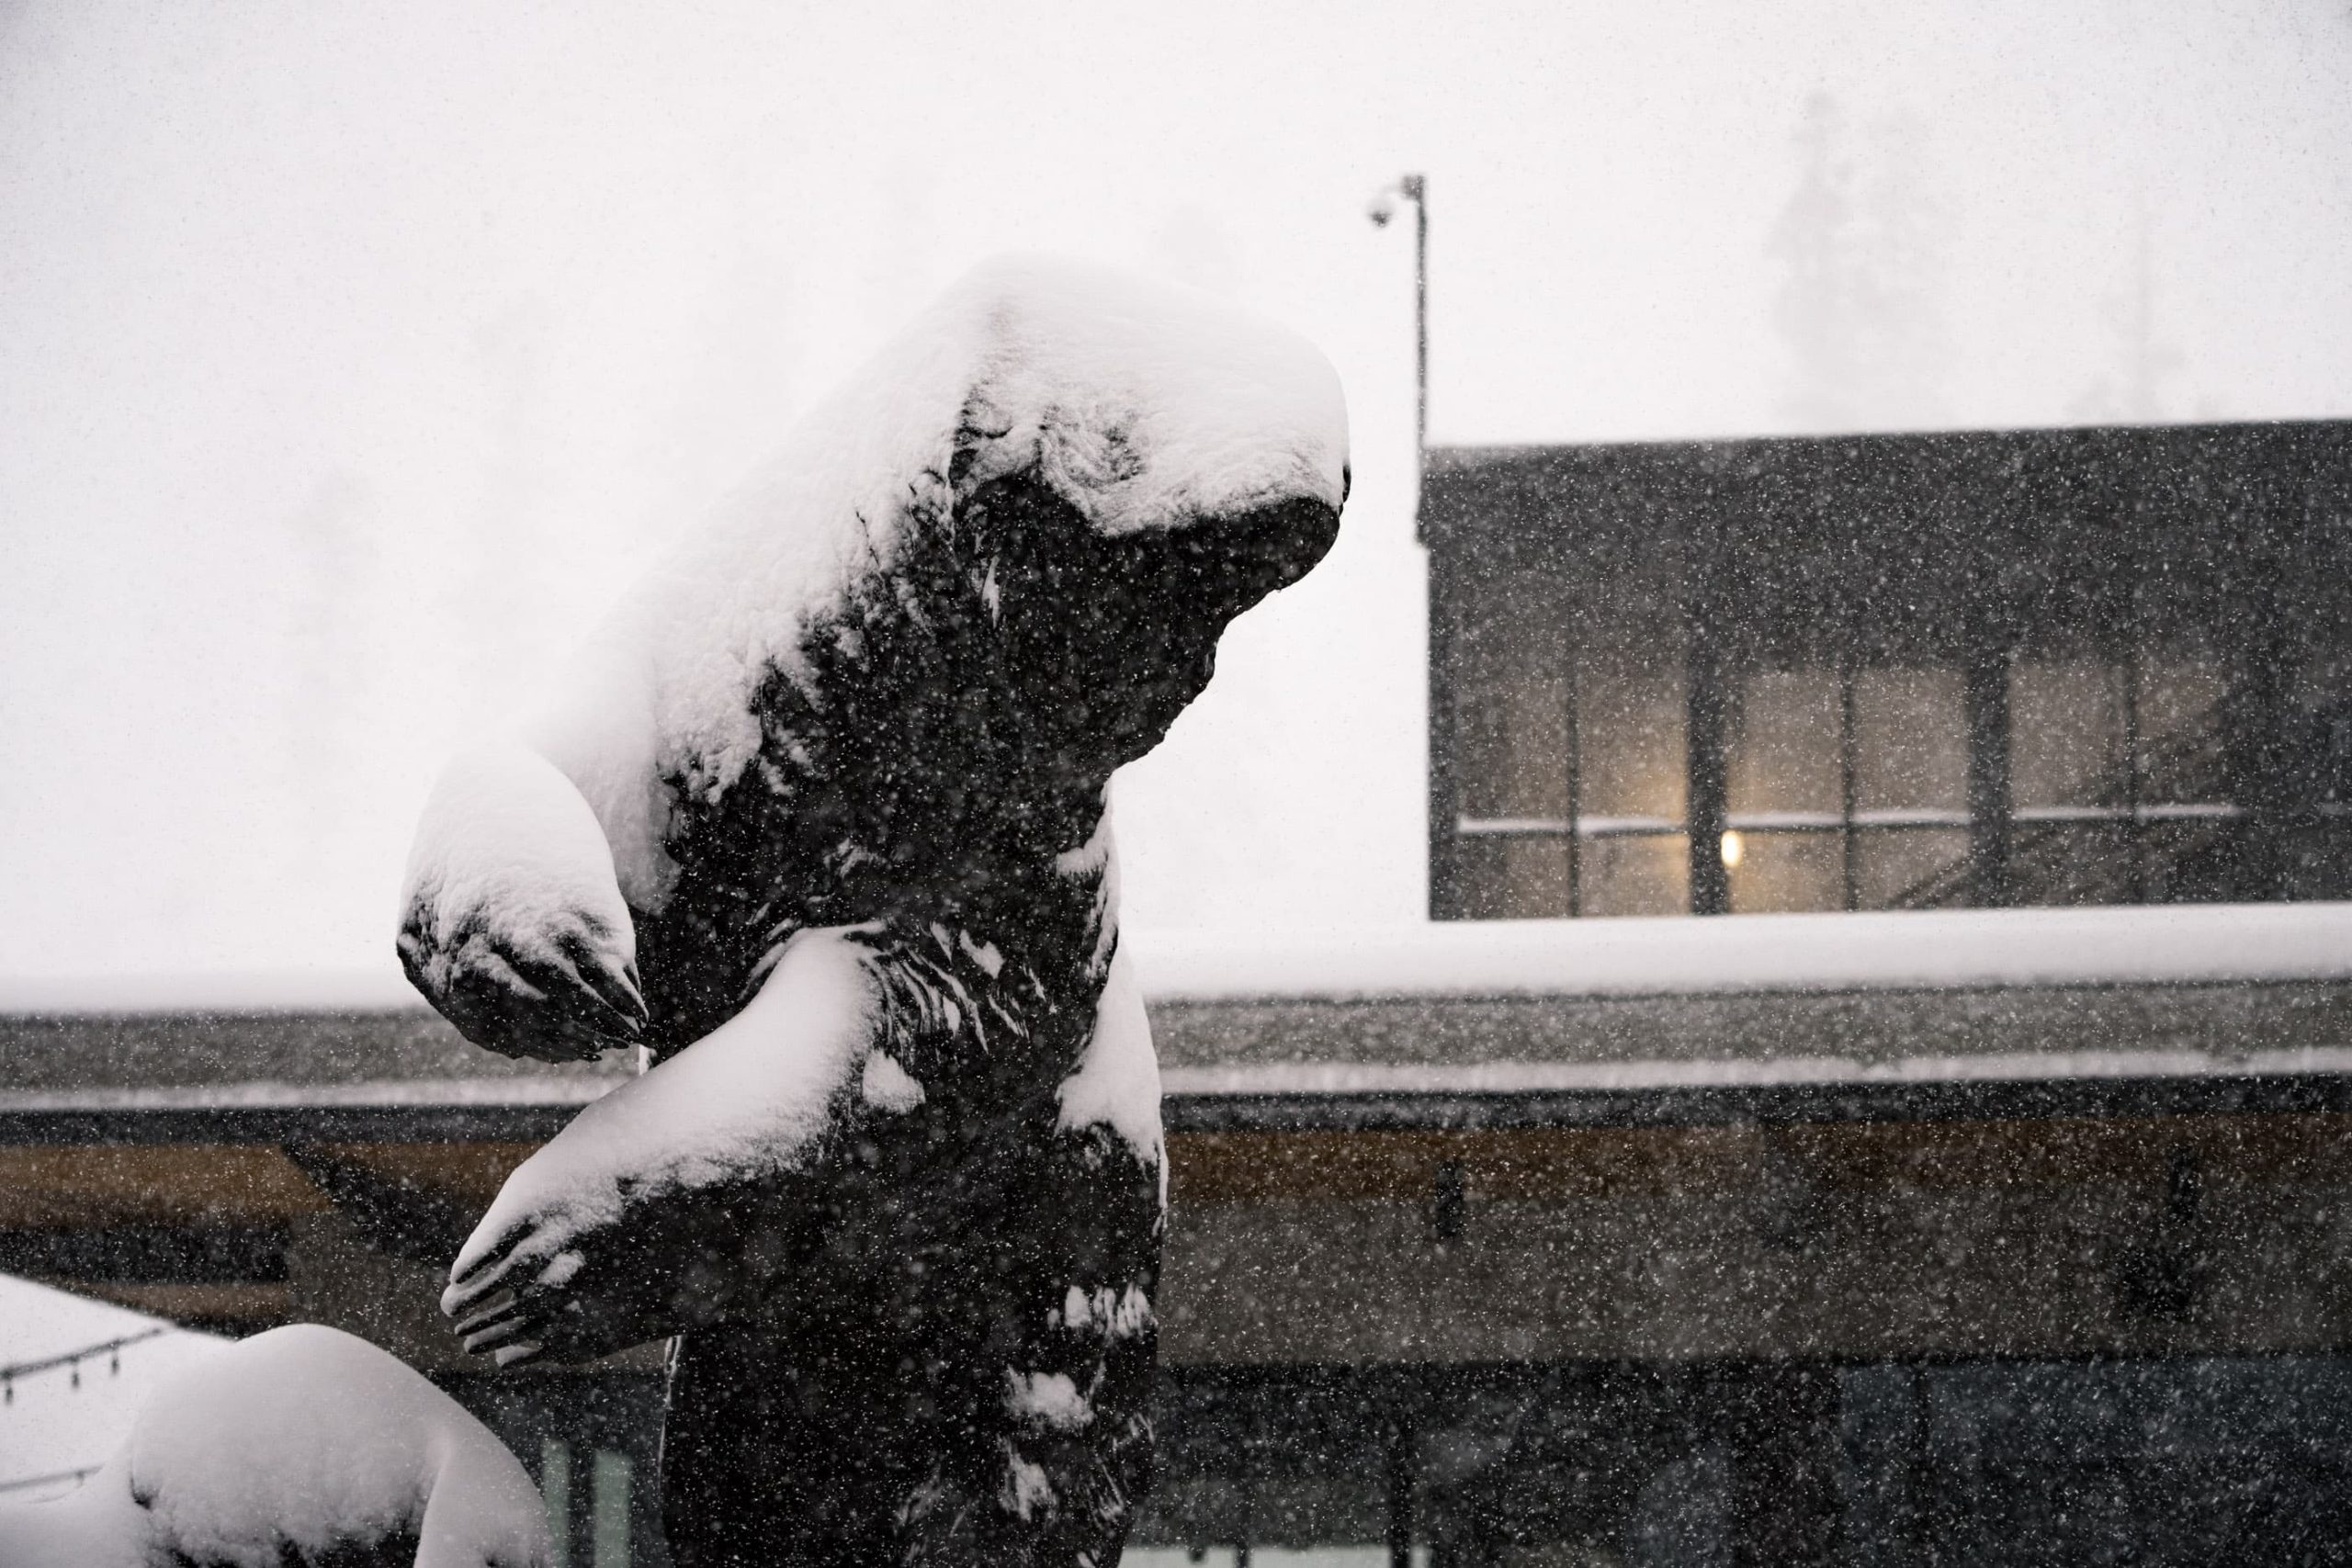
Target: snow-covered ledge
226, 992
1928, 949
2033, 1012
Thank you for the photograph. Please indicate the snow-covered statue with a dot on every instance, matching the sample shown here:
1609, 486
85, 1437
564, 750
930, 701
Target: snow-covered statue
302, 1445
823, 828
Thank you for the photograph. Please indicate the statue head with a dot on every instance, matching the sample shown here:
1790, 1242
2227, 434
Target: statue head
1133, 467
1109, 637
1004, 554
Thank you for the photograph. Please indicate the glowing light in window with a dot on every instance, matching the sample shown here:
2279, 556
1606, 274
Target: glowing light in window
1733, 850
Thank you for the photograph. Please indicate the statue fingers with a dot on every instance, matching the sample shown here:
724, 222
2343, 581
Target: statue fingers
535, 1322
504, 1323
575, 999
508, 1332
606, 973
501, 1009
483, 1266
564, 994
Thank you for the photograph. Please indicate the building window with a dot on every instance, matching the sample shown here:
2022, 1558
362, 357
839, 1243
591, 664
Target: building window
1845, 788
1766, 677
1910, 751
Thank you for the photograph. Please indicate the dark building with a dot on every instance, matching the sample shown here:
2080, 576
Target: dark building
1891, 673
1961, 1235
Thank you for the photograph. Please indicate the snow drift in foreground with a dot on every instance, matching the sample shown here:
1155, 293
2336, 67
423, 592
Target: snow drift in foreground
300, 1445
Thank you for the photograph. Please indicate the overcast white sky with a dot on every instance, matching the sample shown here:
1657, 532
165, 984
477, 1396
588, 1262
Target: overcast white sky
351, 356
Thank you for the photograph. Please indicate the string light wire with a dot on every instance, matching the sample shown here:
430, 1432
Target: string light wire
72, 1360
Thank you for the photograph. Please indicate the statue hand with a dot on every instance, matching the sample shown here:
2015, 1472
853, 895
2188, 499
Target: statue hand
676, 1200
512, 923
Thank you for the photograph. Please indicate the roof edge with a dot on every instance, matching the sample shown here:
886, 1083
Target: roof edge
1935, 951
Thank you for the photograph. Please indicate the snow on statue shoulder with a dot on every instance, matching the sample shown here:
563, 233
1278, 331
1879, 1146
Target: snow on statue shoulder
824, 825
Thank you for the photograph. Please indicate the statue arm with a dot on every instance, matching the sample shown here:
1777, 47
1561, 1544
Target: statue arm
664, 1206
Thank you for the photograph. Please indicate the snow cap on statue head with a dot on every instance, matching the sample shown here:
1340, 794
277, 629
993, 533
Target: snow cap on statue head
1140, 403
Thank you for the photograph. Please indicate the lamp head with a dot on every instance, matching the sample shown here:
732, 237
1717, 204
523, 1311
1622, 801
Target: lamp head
1408, 188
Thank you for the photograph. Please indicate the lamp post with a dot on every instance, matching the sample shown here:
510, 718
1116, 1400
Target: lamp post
1415, 189
1443, 807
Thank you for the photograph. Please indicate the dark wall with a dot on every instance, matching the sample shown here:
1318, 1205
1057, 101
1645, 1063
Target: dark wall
2159, 1461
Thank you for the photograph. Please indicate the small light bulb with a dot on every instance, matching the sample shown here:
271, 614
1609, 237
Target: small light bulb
1733, 850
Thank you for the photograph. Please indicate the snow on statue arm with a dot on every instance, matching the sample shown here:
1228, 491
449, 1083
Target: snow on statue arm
608, 1237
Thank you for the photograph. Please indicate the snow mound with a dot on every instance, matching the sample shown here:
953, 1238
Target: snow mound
303, 1444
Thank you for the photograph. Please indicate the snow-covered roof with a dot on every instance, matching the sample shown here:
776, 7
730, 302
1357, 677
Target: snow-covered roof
381, 989
1521, 1078
1794, 1014
1926, 950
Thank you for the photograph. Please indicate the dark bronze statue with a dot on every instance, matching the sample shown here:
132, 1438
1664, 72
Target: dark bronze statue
824, 829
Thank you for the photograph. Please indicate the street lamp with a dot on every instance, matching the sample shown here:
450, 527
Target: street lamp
1415, 189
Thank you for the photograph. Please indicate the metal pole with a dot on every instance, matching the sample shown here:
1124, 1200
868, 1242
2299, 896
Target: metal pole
1401, 1481
1417, 188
